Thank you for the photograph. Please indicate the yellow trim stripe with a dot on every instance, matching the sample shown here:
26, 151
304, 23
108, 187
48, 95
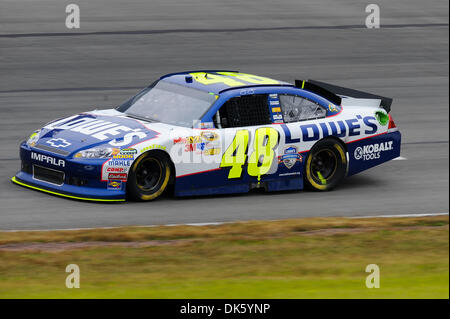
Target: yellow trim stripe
14, 180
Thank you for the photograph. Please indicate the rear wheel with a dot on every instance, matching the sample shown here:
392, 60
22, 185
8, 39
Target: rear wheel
149, 177
326, 165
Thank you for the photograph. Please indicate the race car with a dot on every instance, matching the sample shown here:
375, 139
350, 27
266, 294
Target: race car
212, 132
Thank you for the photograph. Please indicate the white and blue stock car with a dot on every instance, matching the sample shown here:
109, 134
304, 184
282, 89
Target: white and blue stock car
212, 132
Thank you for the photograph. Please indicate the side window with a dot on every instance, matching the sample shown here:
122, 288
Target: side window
296, 108
246, 110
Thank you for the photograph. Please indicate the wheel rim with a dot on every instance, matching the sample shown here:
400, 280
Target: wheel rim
148, 174
323, 165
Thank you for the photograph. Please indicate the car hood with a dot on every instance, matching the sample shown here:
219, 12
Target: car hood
86, 130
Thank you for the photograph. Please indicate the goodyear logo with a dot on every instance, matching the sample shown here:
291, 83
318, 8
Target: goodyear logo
152, 147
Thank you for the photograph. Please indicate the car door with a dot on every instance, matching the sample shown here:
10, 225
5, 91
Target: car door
249, 140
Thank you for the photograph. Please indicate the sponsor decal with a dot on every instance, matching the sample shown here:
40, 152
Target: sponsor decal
212, 151
115, 169
372, 151
194, 147
98, 129
276, 109
314, 131
114, 185
246, 91
209, 136
207, 125
128, 151
48, 159
58, 142
188, 140
277, 117
273, 96
199, 143
118, 176
274, 103
332, 108
178, 140
119, 163
152, 147
194, 139
124, 156
382, 118
290, 157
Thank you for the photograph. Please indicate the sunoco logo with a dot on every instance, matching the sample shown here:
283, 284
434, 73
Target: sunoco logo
372, 151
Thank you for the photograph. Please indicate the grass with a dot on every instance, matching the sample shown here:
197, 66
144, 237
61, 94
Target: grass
300, 258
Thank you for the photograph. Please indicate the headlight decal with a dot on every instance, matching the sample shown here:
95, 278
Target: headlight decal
33, 138
98, 152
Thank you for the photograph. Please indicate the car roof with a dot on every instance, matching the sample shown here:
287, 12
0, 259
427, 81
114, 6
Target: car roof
217, 81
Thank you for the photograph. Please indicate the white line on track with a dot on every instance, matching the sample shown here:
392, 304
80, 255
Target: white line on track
212, 223
400, 158
400, 216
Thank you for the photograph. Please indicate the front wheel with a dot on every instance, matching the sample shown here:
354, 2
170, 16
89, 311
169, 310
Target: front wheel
149, 177
326, 165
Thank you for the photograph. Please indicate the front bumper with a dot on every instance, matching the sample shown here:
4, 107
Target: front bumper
82, 178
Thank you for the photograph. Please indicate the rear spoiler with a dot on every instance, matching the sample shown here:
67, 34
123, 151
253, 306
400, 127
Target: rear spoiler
335, 93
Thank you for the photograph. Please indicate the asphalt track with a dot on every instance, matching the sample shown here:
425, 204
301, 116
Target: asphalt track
48, 71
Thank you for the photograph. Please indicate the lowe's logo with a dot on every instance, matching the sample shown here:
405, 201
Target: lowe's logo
372, 151
48, 159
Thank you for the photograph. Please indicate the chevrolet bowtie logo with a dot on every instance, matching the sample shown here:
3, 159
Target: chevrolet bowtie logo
58, 142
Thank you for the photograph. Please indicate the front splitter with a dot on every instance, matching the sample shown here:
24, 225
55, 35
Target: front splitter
21, 183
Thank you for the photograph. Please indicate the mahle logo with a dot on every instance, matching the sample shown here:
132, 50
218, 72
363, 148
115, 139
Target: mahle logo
372, 151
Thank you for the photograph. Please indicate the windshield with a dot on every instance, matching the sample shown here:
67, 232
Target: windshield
169, 103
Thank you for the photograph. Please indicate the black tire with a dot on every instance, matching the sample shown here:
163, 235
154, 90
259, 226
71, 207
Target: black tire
148, 177
326, 165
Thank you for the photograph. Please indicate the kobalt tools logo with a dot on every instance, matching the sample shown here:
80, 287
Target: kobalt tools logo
372, 151
48, 159
58, 142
